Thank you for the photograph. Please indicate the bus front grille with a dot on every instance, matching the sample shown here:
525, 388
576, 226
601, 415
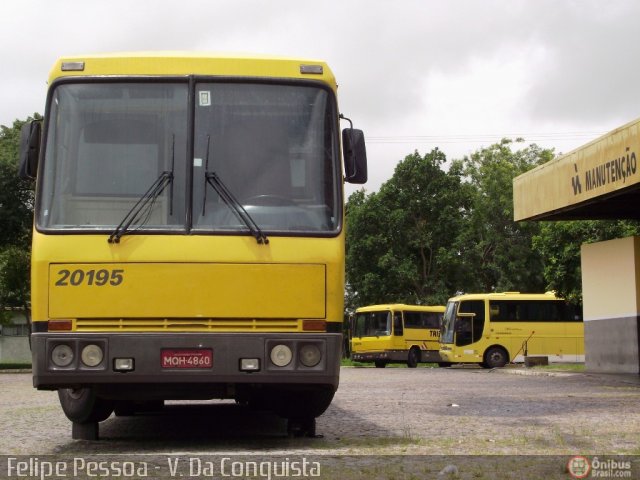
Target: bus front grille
186, 325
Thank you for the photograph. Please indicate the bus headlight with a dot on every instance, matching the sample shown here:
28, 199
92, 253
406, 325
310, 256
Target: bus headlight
281, 355
62, 355
310, 355
92, 355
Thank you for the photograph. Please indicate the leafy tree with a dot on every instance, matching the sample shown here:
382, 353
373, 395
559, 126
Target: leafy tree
558, 243
16, 214
429, 232
16, 195
14, 279
498, 251
401, 240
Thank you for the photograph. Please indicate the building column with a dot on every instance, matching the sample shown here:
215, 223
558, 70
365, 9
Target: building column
611, 302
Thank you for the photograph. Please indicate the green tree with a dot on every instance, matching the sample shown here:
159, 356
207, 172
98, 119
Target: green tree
14, 278
401, 240
16, 195
558, 243
16, 217
498, 251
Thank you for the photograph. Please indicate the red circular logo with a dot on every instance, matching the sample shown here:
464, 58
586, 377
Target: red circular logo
578, 466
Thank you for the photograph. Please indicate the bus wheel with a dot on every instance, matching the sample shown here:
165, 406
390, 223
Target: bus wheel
495, 357
81, 405
413, 358
380, 363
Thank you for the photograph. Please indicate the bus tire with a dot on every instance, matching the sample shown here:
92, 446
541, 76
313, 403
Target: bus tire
81, 405
380, 363
495, 357
413, 358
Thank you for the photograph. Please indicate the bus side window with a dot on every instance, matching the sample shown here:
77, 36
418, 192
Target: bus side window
432, 320
398, 329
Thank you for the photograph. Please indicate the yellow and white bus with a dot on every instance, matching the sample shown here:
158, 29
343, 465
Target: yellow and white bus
396, 333
493, 329
189, 233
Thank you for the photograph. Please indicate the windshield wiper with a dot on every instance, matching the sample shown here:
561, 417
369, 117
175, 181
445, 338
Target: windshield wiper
232, 202
144, 205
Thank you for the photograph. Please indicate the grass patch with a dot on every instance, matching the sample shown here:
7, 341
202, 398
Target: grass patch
347, 362
561, 367
15, 366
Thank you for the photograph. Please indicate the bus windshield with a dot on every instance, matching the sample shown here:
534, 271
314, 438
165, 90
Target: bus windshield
373, 324
273, 146
448, 323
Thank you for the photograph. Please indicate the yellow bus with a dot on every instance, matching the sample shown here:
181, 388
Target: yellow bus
396, 333
493, 329
189, 233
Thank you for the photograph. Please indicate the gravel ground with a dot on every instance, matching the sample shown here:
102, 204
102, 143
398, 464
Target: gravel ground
395, 412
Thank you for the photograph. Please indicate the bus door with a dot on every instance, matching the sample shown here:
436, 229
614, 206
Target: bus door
398, 339
469, 327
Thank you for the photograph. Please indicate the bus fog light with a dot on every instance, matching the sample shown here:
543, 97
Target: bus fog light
281, 355
62, 355
249, 364
92, 355
123, 364
310, 355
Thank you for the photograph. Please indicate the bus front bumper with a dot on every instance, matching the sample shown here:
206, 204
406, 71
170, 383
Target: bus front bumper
446, 355
184, 358
379, 356
427, 356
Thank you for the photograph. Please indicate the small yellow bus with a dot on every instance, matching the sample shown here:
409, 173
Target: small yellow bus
493, 329
396, 334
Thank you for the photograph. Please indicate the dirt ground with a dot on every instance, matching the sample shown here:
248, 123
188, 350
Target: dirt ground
383, 423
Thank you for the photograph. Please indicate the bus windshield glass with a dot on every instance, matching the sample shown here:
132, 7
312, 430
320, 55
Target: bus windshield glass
448, 323
107, 143
373, 324
273, 146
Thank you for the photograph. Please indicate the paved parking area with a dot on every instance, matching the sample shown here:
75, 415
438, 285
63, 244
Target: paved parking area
375, 414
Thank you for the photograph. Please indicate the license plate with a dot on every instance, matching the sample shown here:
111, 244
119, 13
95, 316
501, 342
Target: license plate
186, 358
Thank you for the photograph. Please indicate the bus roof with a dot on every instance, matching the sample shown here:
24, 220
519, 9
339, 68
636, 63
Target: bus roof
504, 296
401, 306
190, 63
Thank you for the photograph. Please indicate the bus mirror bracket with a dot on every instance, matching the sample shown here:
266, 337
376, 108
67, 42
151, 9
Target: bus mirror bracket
30, 149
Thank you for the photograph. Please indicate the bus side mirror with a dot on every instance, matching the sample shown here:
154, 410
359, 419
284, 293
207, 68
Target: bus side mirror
355, 156
29, 149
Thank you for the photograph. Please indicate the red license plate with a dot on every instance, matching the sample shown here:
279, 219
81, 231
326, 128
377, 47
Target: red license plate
186, 358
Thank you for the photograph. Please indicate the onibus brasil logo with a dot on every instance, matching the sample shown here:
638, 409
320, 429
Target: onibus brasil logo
580, 466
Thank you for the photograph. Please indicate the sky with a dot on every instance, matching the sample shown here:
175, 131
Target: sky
413, 74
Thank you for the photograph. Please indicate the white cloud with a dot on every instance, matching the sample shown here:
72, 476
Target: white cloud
413, 74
